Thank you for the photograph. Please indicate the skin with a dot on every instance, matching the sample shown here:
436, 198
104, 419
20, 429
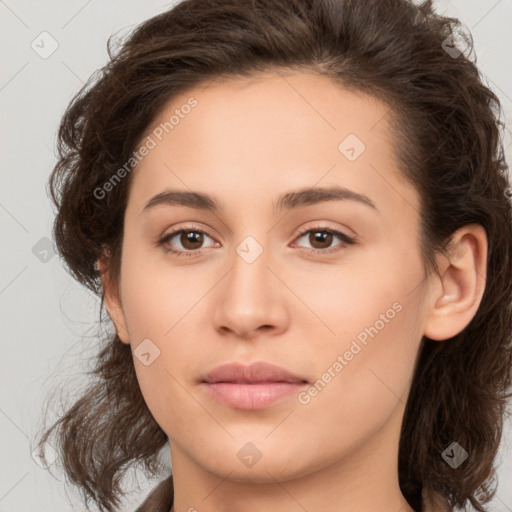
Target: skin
246, 143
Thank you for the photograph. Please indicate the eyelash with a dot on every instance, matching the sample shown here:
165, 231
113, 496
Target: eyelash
322, 229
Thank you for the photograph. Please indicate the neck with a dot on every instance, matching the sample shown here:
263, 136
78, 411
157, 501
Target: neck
365, 479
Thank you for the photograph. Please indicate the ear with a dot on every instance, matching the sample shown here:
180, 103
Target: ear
112, 300
456, 294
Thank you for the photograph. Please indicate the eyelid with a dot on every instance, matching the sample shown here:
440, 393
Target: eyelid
347, 240
176, 231
323, 226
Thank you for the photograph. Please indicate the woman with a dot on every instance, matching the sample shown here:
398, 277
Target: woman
296, 213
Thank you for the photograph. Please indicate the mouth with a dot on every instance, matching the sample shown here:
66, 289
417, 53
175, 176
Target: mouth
252, 387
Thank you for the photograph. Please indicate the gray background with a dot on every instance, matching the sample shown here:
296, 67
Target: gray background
48, 321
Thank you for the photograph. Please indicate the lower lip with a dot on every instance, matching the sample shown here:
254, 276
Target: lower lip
251, 396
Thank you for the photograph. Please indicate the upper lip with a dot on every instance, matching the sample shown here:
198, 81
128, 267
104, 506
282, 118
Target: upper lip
255, 372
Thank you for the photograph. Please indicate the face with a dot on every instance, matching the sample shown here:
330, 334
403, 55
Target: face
327, 285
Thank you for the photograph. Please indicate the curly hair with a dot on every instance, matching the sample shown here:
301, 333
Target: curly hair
447, 131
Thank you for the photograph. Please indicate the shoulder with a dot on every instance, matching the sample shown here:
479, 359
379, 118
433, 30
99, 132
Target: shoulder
434, 502
160, 499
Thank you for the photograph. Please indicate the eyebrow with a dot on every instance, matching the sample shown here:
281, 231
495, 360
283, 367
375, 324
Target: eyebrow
289, 201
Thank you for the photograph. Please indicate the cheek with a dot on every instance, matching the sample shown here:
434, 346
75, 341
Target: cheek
365, 364
156, 297
360, 385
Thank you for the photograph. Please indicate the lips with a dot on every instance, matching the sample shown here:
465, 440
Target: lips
251, 387
254, 373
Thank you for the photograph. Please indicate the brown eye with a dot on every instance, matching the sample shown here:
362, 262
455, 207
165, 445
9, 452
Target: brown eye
191, 239
184, 242
321, 240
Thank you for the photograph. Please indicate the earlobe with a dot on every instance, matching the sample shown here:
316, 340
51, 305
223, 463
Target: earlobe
455, 295
112, 300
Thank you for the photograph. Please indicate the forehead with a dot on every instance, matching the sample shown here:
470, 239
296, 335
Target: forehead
247, 138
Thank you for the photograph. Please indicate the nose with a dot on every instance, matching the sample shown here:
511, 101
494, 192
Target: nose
251, 300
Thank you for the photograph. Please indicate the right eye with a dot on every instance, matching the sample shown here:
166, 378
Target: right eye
191, 240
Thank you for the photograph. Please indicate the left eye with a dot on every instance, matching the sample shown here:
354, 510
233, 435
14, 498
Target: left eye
322, 238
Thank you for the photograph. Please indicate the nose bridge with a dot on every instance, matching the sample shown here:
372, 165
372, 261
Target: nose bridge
250, 249
248, 279
249, 299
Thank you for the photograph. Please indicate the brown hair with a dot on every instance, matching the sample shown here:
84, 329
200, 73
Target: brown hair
446, 124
